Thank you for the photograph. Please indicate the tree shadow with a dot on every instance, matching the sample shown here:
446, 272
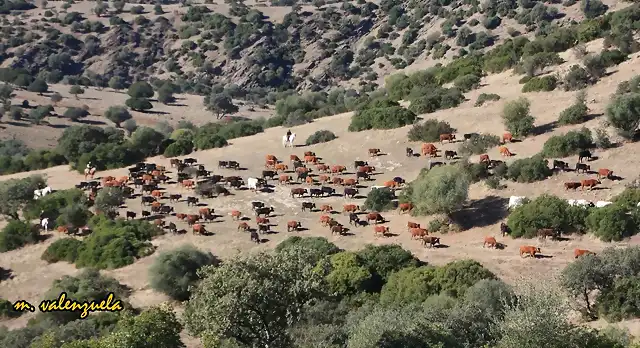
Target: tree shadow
544, 128
482, 212
59, 126
152, 112
5, 273
92, 122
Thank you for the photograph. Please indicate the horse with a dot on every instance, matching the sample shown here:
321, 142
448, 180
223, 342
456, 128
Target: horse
45, 224
291, 139
89, 172
288, 142
41, 192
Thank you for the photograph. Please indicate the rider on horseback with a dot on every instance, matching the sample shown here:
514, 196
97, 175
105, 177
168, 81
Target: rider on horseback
289, 135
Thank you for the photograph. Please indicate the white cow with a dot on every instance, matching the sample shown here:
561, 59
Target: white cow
515, 201
375, 187
45, 224
252, 183
600, 204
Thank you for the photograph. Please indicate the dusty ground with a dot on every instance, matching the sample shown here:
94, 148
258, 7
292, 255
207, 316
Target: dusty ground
485, 212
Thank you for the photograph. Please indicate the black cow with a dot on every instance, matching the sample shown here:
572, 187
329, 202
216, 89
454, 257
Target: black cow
468, 136
582, 167
357, 164
328, 190
165, 209
146, 213
256, 205
149, 167
354, 219
409, 152
236, 183
399, 180
315, 192
264, 211
163, 178
214, 179
219, 190
255, 237
308, 205
362, 175
223, 164
584, 154
269, 174
449, 154
560, 165
138, 182
263, 228
504, 229
149, 188
172, 227
350, 192
202, 173
190, 161
302, 177
233, 165
131, 214
174, 197
192, 201
147, 200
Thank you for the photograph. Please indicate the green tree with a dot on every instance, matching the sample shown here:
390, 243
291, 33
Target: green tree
611, 223
220, 104
139, 104
230, 302
16, 193
379, 200
140, 90
75, 89
623, 112
439, 190
117, 114
157, 327
346, 274
109, 199
40, 113
39, 86
410, 285
582, 278
320, 246
100, 8
147, 140
130, 126
517, 118
117, 83
74, 114
55, 98
165, 95
17, 234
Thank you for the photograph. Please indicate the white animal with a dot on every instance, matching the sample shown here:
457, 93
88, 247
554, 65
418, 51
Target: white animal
285, 140
292, 138
45, 224
375, 187
638, 205
252, 183
600, 204
571, 202
46, 190
515, 201
578, 202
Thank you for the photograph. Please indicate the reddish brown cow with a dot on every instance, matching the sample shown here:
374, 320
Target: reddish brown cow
490, 241
156, 205
187, 183
293, 226
282, 166
411, 225
243, 226
429, 149
351, 208
390, 184
338, 169
235, 215
505, 152
571, 185
324, 220
449, 137
199, 229
430, 241
270, 164
326, 208
310, 159
590, 183
123, 179
383, 230
262, 220
62, 229
157, 193
301, 170
271, 158
604, 173
181, 216
337, 181
192, 219
323, 178
285, 179
350, 182
529, 250
205, 211
507, 137
417, 233
158, 222
156, 173
579, 252
366, 169
309, 153
309, 180
338, 229
323, 168
375, 216
405, 207
294, 158
484, 158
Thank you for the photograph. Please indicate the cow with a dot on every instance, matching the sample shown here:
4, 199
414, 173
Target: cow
375, 217
601, 204
411, 225
579, 252
484, 158
449, 154
174, 197
192, 201
430, 241
298, 191
490, 241
309, 153
233, 165
270, 158
515, 201
282, 167
582, 167
308, 205
314, 192
199, 229
504, 229
264, 211
590, 183
257, 204
366, 169
310, 159
294, 158
262, 221
390, 184
264, 228
157, 193
181, 216
323, 168
409, 152
190, 161
584, 154
302, 176
417, 233
504, 151
560, 165
383, 230
309, 180
188, 183
146, 200
254, 183
326, 208
243, 226
172, 227
350, 208
354, 219
543, 233
604, 173
269, 174
405, 207
270, 164
205, 211
374, 152
130, 214
428, 149
146, 213
337, 181
235, 215
362, 175
324, 220
165, 209
350, 192
507, 137
338, 229
255, 237
293, 226
571, 185
192, 219
529, 250
158, 222
448, 136
328, 190
338, 169
357, 164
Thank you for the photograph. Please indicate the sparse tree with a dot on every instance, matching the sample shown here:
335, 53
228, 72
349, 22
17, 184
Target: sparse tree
516, 117
117, 114
130, 126
75, 90
140, 89
157, 9
623, 113
39, 86
5, 92
101, 8
439, 190
139, 104
119, 6
55, 98
116, 82
221, 104
109, 199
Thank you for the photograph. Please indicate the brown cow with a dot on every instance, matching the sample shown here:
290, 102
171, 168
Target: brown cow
604, 173
449, 137
375, 216
158, 222
281, 166
293, 226
579, 252
543, 233
62, 229
338, 169
411, 225
505, 152
484, 158
429, 149
529, 250
374, 152
108, 178
205, 211
156, 173
490, 241
235, 215
339, 229
507, 137
417, 233
156, 204
337, 180
390, 184
366, 169
350, 208
350, 182
243, 226
323, 168
323, 178
383, 230
309, 180
270, 164
324, 220
326, 208
298, 191
271, 158
199, 229
309, 153
262, 220
285, 179
187, 183
294, 158
123, 179
430, 240
310, 159
157, 193
301, 170
405, 207
590, 183
181, 216
192, 219
571, 185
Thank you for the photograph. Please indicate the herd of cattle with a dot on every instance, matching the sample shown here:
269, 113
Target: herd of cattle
322, 180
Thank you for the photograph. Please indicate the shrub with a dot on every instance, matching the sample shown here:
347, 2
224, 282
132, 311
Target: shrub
623, 113
179, 148
602, 140
174, 272
577, 78
478, 144
346, 274
379, 200
593, 8
615, 303
75, 114
240, 129
466, 83
429, 131
117, 115
429, 99
546, 212
384, 260
516, 117
540, 84
320, 246
65, 249
17, 234
109, 199
493, 183
138, 104
7, 311
381, 118
140, 89
567, 144
439, 190
576, 113
628, 199
475, 171
530, 169
484, 97
611, 223
321, 136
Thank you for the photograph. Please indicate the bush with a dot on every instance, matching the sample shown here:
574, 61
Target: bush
240, 129
109, 199
475, 171
117, 115
140, 89
540, 84
321, 136
346, 274
567, 144
516, 117
7, 311
379, 200
478, 144
602, 140
593, 8
577, 78
174, 272
484, 97
381, 118
530, 169
576, 113
466, 83
439, 190
616, 302
628, 199
611, 223
179, 148
384, 260
546, 212
429, 131
429, 99
75, 114
65, 249
138, 104
17, 234
623, 113
319, 245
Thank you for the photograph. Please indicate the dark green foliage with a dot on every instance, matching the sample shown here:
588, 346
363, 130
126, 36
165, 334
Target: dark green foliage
78, 140
220, 104
467, 82
475, 171
138, 104
620, 301
15, 194
429, 131
577, 78
7, 311
117, 114
517, 118
207, 137
74, 114
384, 260
53, 204
623, 113
179, 148
478, 144
593, 8
39, 86
65, 249
611, 223
320, 245
140, 90
529, 169
428, 99
568, 144
575, 113
346, 274
381, 118
321, 136
628, 199
546, 212
40, 113
442, 189
174, 272
540, 84
17, 234
379, 200
484, 97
